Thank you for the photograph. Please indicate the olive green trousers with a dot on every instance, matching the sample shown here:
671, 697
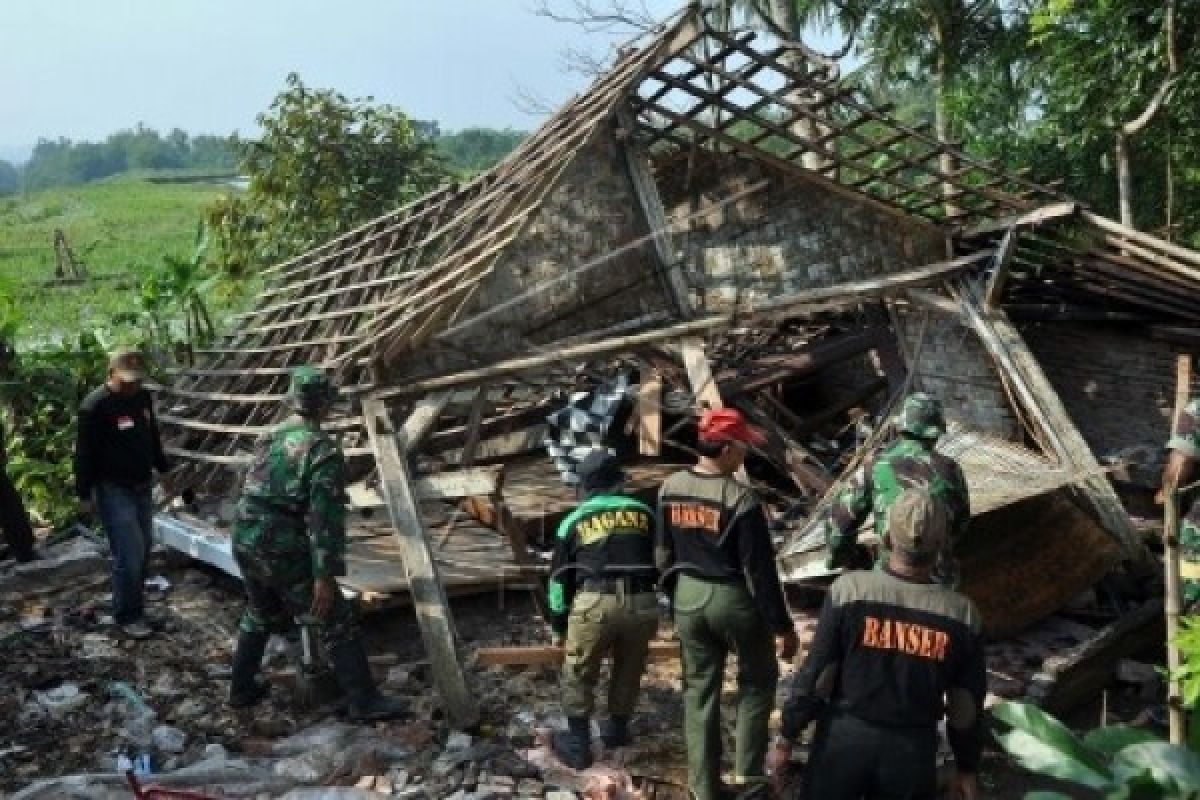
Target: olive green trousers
715, 620
599, 625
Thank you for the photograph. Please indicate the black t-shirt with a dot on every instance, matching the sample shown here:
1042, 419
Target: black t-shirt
714, 528
896, 653
118, 441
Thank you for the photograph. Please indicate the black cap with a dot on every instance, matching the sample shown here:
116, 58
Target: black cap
600, 469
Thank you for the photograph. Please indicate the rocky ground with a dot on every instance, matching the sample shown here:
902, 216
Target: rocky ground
82, 698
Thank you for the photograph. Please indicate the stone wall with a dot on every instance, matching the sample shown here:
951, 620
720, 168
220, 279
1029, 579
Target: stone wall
955, 368
795, 234
1116, 382
588, 216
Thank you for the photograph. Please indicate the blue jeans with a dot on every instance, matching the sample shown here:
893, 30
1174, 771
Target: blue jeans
128, 519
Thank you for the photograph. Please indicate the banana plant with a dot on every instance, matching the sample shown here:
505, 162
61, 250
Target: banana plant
1118, 762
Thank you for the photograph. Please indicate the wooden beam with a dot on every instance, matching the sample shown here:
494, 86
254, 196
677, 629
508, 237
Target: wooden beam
793, 169
655, 216
1041, 402
474, 429
700, 376
429, 596
451, 485
1182, 253
932, 301
548, 655
1001, 263
1027, 220
649, 413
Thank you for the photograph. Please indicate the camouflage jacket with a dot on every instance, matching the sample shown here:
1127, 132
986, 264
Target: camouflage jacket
294, 497
1186, 441
906, 464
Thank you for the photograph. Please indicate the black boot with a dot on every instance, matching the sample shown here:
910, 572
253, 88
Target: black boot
246, 687
574, 746
615, 732
364, 701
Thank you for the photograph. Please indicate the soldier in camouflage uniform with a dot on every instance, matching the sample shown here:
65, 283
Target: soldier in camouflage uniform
910, 462
1180, 472
290, 544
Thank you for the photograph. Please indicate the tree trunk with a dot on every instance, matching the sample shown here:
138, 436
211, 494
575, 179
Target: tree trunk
784, 18
941, 123
1135, 126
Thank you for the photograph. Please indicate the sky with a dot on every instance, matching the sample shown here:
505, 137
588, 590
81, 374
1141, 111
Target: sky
83, 69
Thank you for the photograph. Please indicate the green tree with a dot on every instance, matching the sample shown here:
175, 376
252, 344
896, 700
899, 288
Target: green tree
325, 164
903, 40
10, 179
1114, 83
472, 150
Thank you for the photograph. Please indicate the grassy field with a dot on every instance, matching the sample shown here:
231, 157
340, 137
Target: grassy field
119, 227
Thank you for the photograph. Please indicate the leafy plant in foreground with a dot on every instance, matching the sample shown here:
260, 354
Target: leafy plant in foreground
1119, 762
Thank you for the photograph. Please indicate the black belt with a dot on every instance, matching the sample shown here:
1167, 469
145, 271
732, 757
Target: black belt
628, 585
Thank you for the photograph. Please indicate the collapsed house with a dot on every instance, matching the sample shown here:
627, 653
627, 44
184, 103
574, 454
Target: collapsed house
716, 220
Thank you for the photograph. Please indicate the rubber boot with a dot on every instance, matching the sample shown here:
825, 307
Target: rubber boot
364, 701
246, 687
615, 732
574, 746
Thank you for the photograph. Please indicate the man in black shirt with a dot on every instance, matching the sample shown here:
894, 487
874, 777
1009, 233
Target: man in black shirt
14, 521
116, 452
719, 567
602, 602
893, 652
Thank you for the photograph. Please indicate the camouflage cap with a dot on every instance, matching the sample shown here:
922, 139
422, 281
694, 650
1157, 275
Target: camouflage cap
921, 417
918, 524
311, 390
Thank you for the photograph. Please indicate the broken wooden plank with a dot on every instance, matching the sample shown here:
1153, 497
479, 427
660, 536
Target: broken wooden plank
451, 485
507, 445
813, 358
1077, 677
651, 205
474, 428
700, 376
1028, 219
429, 596
649, 414
1001, 263
1013, 358
543, 655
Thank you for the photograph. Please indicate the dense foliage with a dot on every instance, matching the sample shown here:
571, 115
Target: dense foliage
324, 164
64, 162
473, 150
1044, 85
1117, 762
10, 178
40, 395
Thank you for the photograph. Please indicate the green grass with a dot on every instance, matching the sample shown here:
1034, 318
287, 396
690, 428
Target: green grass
121, 226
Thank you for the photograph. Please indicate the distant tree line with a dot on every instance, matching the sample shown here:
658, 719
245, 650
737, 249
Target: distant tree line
64, 162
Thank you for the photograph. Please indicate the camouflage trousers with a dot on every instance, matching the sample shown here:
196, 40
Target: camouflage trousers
279, 588
1189, 563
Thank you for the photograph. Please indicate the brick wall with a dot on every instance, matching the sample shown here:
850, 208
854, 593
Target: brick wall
793, 235
1116, 382
796, 235
955, 368
587, 217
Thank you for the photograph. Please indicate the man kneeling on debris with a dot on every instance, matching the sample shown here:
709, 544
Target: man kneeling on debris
290, 543
893, 651
911, 462
602, 600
